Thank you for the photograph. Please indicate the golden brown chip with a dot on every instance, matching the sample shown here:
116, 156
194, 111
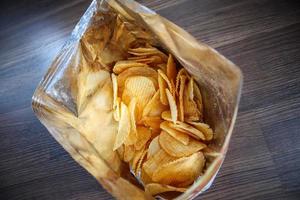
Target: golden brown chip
145, 178
129, 152
204, 128
150, 60
182, 72
122, 65
181, 104
156, 188
142, 89
153, 148
137, 156
160, 158
191, 112
179, 136
154, 107
142, 51
162, 84
166, 115
186, 128
183, 170
175, 148
132, 136
152, 122
117, 110
173, 106
171, 69
124, 127
115, 90
137, 71
143, 134
140, 163
169, 83
198, 99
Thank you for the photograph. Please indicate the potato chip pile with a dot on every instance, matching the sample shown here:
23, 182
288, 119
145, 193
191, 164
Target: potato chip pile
159, 108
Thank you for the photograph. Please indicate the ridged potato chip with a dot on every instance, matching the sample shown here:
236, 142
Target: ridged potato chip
143, 135
115, 90
198, 99
153, 148
154, 107
142, 89
167, 80
179, 136
129, 152
124, 127
173, 106
137, 71
161, 157
122, 65
186, 128
117, 110
171, 69
191, 112
183, 170
181, 72
137, 156
132, 136
204, 128
166, 115
156, 188
181, 93
152, 122
138, 169
175, 148
162, 84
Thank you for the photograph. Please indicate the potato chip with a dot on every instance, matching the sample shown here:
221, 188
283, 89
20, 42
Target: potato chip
143, 135
137, 71
166, 79
204, 128
162, 67
162, 84
156, 188
175, 148
132, 136
186, 128
166, 115
171, 69
161, 157
144, 177
122, 65
137, 156
115, 90
198, 99
191, 112
124, 127
182, 72
141, 51
117, 110
142, 89
150, 60
152, 122
173, 106
181, 90
179, 136
183, 170
129, 152
153, 148
190, 89
154, 107
140, 163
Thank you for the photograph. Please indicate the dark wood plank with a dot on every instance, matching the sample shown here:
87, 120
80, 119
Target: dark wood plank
261, 36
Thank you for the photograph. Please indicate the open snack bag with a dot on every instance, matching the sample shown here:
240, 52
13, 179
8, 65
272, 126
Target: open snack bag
139, 103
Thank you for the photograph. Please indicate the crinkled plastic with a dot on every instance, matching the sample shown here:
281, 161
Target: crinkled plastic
81, 120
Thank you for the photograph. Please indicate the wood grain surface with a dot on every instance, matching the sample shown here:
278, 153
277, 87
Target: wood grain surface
260, 36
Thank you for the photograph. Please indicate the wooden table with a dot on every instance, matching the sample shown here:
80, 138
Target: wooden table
260, 36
